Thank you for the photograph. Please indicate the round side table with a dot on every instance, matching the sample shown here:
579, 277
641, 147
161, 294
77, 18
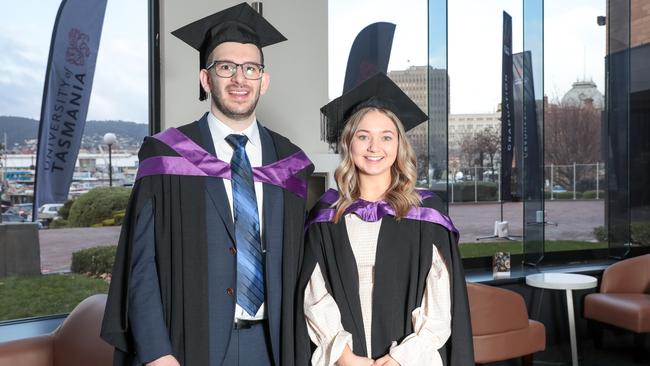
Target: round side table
567, 282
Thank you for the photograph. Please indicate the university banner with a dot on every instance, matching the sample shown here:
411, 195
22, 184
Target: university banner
68, 82
530, 135
369, 54
507, 110
518, 118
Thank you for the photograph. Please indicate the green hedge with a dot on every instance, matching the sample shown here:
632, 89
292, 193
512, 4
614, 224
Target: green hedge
118, 216
592, 194
64, 211
97, 205
94, 262
58, 223
639, 231
464, 192
562, 195
600, 233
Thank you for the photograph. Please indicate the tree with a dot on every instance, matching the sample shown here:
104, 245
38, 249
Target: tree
489, 142
422, 165
571, 134
477, 147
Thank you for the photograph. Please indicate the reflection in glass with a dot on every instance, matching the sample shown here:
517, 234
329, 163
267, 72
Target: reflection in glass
618, 129
639, 126
437, 82
475, 127
574, 100
532, 127
119, 94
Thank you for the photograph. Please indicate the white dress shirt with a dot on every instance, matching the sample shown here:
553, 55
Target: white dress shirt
219, 132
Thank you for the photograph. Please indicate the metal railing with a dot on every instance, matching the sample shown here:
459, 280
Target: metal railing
564, 181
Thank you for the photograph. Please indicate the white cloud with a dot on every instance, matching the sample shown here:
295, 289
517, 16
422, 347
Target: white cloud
574, 44
120, 84
475, 33
574, 48
348, 18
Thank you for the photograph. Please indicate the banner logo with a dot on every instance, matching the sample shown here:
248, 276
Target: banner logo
78, 50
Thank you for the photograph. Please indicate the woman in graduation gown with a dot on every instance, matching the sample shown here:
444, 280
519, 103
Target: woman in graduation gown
382, 280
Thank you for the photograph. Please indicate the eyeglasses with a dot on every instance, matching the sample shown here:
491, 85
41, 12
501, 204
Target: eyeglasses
227, 69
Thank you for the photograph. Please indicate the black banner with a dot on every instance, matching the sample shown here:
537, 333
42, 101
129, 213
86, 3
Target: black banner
530, 140
369, 53
507, 110
518, 120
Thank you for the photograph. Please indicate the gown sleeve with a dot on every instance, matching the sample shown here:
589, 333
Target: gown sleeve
324, 322
431, 321
150, 333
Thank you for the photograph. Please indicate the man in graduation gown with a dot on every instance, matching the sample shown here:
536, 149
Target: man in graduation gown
209, 253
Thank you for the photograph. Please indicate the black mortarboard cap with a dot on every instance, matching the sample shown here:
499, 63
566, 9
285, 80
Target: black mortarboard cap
377, 91
239, 23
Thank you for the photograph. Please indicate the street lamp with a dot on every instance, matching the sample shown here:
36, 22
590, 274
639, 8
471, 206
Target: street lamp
110, 139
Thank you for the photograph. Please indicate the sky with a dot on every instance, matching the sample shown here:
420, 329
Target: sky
574, 45
120, 85
574, 49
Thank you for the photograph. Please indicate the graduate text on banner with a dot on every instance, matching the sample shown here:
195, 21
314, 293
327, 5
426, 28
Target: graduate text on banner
528, 141
68, 82
507, 110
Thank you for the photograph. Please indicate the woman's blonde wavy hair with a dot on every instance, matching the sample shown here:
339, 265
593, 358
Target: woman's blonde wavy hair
401, 194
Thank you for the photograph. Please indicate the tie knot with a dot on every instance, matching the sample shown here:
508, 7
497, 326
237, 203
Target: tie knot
237, 141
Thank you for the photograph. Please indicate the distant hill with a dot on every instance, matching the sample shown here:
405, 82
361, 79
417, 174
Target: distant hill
20, 129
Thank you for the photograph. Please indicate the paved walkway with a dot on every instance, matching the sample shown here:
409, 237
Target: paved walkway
575, 221
57, 245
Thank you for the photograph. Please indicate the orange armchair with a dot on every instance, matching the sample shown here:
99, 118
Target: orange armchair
624, 298
500, 326
75, 342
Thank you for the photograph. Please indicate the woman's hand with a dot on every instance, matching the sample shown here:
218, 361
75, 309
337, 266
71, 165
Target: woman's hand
168, 360
348, 358
386, 361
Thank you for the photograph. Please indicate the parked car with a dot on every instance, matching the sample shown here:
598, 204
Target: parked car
11, 217
558, 189
48, 212
22, 209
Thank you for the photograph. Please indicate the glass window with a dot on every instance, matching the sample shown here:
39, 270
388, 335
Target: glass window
407, 64
475, 80
118, 105
574, 105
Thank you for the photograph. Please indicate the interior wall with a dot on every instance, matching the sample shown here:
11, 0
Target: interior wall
298, 68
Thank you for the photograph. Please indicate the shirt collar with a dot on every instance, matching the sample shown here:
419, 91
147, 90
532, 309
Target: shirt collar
221, 130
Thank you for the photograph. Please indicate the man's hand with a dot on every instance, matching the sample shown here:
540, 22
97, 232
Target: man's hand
350, 359
386, 361
168, 360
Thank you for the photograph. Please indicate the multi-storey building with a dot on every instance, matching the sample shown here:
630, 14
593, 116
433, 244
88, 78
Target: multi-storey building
427, 87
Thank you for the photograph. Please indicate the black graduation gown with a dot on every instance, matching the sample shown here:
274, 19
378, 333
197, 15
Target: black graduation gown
181, 257
403, 260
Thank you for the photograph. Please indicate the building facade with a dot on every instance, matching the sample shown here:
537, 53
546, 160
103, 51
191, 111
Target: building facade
427, 87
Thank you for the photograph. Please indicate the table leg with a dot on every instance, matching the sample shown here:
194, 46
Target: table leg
539, 305
572, 327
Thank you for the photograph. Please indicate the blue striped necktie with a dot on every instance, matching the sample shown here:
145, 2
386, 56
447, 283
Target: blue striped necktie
250, 276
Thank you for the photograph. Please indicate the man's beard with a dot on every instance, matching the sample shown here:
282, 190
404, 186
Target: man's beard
235, 115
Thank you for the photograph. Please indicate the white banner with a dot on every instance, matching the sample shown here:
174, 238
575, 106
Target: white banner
68, 82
